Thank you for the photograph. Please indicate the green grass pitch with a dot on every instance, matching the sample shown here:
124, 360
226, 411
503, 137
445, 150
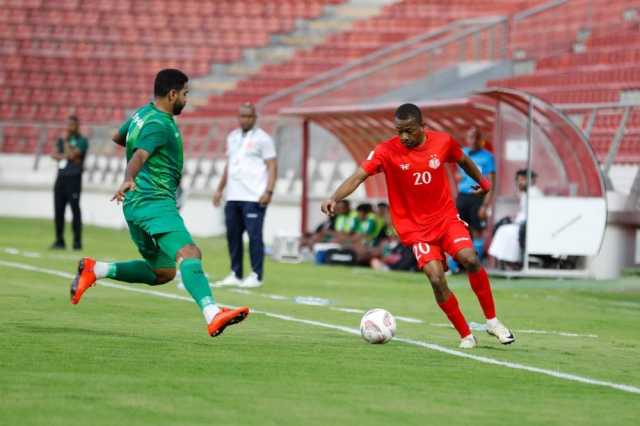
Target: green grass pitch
129, 358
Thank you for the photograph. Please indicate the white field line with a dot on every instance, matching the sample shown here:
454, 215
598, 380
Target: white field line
557, 333
333, 308
626, 304
349, 310
14, 251
35, 254
354, 331
17, 252
409, 319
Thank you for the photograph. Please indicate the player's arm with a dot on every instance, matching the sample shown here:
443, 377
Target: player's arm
74, 155
217, 195
272, 172
344, 190
153, 135
133, 168
58, 152
120, 136
119, 139
470, 168
268, 151
485, 208
71, 153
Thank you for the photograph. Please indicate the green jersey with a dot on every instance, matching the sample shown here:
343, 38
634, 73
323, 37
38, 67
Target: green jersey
156, 132
345, 222
366, 226
69, 168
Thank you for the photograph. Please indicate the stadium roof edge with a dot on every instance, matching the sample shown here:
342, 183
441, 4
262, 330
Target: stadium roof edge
355, 108
559, 145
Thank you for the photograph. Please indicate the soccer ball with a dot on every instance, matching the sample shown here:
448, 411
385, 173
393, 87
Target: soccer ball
377, 326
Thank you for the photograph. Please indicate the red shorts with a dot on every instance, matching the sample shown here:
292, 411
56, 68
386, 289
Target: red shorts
454, 238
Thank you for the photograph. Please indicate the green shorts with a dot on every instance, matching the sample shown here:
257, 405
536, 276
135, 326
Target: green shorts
157, 229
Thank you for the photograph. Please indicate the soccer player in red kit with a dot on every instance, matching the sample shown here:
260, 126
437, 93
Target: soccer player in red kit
424, 213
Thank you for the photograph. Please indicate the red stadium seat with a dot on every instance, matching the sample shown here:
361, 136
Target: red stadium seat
50, 44
103, 54
609, 65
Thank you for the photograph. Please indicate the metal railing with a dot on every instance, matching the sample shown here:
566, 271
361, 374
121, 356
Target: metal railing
320, 78
586, 116
383, 70
431, 45
204, 140
298, 93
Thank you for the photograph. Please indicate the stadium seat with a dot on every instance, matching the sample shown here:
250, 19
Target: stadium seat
107, 44
600, 72
118, 45
396, 22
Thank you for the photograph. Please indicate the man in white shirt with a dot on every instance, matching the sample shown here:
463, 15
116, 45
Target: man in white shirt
506, 246
249, 177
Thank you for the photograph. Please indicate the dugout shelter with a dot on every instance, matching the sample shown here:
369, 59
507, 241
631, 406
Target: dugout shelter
568, 222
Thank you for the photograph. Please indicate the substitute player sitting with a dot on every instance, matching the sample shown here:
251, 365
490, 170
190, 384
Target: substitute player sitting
154, 168
424, 214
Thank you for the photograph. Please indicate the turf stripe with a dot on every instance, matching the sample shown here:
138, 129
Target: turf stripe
355, 331
557, 333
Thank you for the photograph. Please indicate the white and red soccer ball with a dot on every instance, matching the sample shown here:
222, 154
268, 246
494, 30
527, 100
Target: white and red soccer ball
377, 326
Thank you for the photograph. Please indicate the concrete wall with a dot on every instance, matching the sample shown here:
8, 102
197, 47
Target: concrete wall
201, 217
28, 193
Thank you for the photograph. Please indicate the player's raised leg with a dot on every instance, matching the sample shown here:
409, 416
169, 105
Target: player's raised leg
479, 281
161, 253
132, 271
156, 267
448, 302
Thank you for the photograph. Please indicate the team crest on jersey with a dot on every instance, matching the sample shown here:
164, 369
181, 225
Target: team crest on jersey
434, 162
404, 166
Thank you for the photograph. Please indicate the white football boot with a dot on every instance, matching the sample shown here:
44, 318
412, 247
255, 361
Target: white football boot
229, 281
251, 281
468, 342
500, 332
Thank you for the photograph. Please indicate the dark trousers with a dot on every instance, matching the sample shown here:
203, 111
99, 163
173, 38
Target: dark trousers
243, 216
468, 206
67, 191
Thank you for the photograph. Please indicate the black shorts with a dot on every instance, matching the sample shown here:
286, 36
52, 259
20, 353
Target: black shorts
468, 206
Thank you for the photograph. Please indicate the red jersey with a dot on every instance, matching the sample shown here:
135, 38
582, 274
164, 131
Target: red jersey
419, 195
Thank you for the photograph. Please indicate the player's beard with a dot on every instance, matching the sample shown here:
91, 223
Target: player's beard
411, 144
177, 108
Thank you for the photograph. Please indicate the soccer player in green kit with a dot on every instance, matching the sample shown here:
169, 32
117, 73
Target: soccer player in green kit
154, 169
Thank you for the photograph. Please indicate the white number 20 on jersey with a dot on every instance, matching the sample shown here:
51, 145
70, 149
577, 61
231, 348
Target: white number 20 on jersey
422, 178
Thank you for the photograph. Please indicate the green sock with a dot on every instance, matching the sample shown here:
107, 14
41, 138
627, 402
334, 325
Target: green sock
132, 271
195, 282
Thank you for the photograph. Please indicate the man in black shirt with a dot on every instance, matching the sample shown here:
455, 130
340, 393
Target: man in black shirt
69, 152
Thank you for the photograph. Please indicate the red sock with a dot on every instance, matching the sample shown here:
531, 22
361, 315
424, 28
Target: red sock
452, 310
480, 284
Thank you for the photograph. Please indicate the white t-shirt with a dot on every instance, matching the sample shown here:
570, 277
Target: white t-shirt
534, 192
247, 174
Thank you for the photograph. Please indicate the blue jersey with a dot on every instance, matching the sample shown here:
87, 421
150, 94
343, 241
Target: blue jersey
484, 161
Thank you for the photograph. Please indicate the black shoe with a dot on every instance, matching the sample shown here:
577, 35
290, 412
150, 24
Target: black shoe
58, 245
77, 246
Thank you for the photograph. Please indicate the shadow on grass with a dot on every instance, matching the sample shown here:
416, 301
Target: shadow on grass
81, 331
503, 348
89, 332
49, 329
